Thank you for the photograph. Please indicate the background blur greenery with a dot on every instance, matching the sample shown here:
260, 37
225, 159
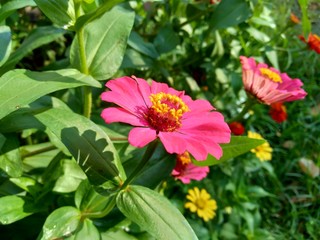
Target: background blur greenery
179, 42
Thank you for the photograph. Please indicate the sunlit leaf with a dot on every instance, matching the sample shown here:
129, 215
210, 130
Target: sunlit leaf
105, 41
63, 222
237, 146
20, 87
154, 213
88, 144
14, 208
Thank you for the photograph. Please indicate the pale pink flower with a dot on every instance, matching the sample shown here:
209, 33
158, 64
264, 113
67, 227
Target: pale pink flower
269, 85
158, 111
186, 171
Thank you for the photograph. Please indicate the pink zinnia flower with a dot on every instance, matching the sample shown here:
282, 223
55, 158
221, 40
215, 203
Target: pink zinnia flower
185, 171
269, 85
182, 124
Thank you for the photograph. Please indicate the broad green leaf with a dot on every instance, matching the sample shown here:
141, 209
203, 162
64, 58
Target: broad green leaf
229, 13
14, 208
154, 213
137, 43
23, 118
21, 87
89, 17
60, 12
8, 8
237, 146
61, 223
88, 144
166, 40
105, 41
10, 160
87, 231
5, 43
70, 178
38, 37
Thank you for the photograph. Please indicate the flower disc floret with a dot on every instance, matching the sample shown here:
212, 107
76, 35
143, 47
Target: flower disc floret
166, 112
158, 111
273, 76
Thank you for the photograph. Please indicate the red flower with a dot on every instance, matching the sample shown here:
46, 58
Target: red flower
278, 112
313, 42
236, 128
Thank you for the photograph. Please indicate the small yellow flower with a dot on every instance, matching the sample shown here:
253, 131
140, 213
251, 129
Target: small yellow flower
264, 151
201, 202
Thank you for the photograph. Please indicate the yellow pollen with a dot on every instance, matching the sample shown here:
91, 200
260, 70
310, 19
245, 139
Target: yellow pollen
166, 112
273, 76
184, 158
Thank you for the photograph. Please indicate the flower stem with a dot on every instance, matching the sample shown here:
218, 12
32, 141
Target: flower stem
87, 92
146, 156
248, 105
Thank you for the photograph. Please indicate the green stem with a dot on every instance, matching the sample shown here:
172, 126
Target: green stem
146, 156
248, 105
87, 92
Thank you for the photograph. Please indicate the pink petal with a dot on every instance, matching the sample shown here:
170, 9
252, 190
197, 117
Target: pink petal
126, 93
113, 114
140, 137
173, 142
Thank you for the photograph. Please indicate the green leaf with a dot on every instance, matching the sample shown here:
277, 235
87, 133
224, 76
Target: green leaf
237, 146
87, 231
10, 160
23, 118
229, 13
89, 201
28, 184
154, 213
166, 40
60, 12
87, 142
61, 223
137, 43
38, 37
21, 87
89, 17
14, 208
8, 8
2, 140
105, 41
306, 25
258, 192
71, 177
5, 43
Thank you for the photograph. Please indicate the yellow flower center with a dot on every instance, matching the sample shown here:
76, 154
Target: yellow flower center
275, 77
184, 158
166, 112
201, 203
